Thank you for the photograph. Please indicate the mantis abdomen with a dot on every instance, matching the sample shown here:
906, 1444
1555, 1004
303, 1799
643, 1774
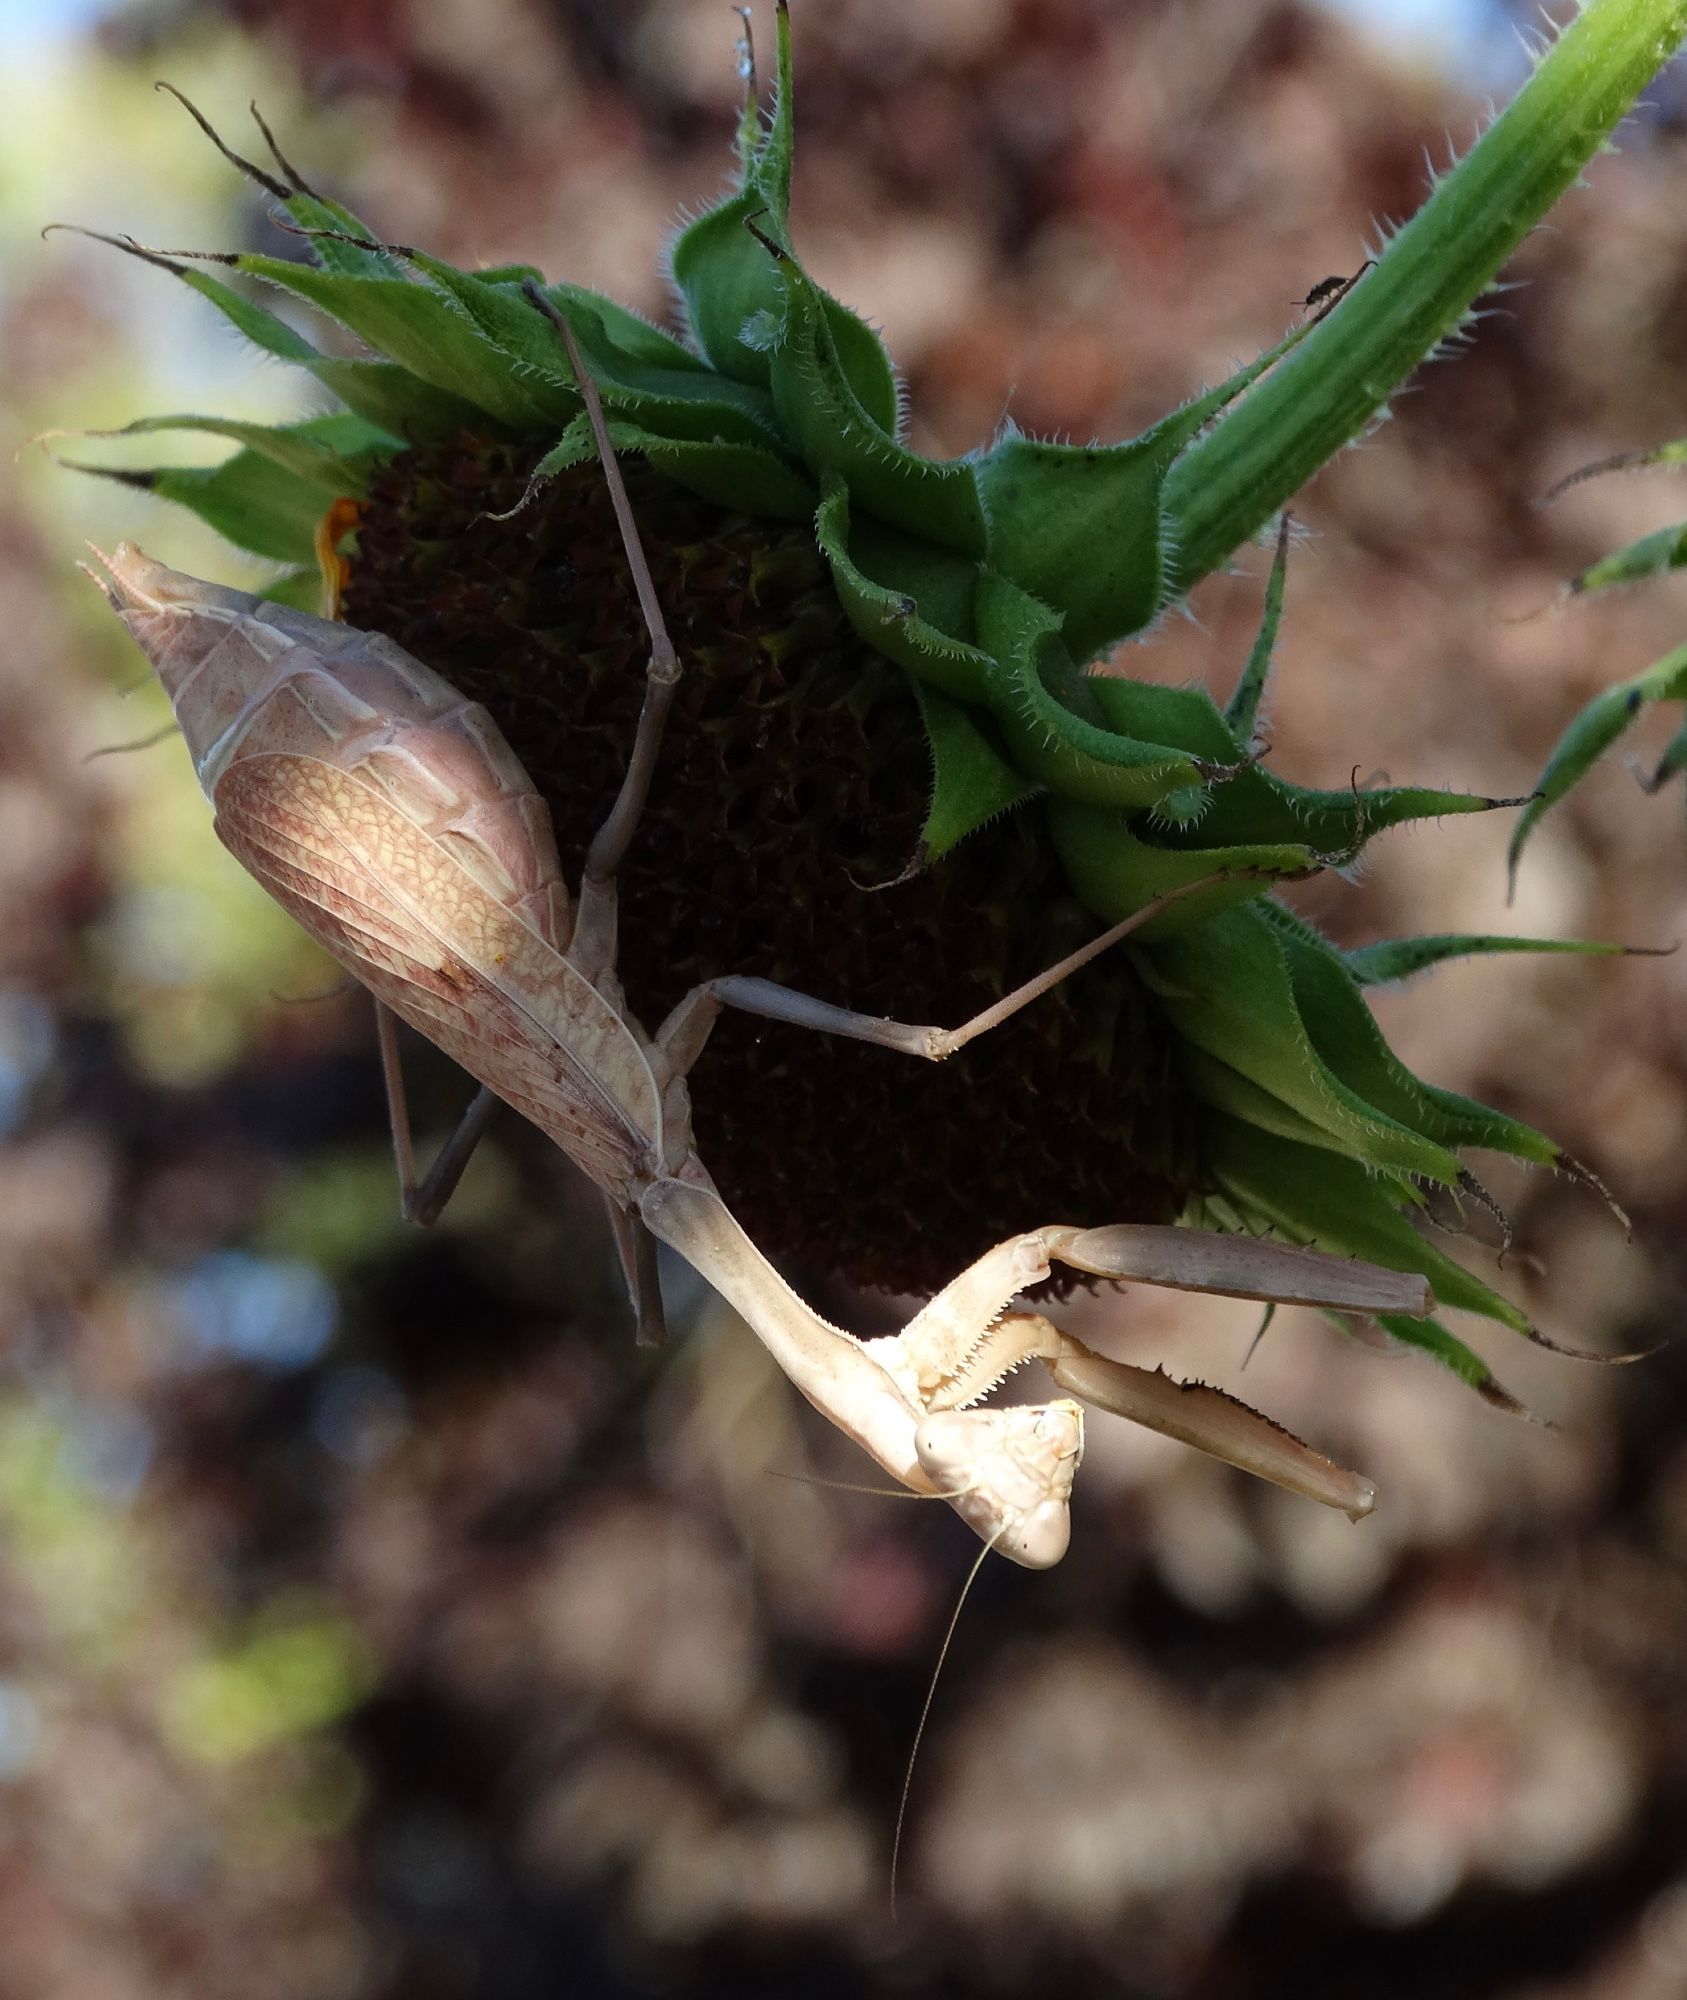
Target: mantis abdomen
393, 821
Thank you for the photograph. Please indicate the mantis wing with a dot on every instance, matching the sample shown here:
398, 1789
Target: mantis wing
395, 907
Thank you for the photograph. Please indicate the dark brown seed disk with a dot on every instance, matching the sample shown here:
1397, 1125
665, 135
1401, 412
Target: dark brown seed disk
786, 811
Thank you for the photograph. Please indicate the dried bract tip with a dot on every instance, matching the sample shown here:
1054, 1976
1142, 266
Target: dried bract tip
300, 184
249, 168
1589, 1179
1470, 1185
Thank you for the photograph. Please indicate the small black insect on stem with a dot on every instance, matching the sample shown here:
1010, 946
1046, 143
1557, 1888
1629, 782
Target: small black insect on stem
1329, 292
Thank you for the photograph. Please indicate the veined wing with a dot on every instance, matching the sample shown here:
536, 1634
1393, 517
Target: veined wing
394, 906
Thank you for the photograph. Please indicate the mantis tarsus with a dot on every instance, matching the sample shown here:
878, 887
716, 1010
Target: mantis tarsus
390, 817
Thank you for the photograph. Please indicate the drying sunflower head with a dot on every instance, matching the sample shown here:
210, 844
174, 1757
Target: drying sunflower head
894, 777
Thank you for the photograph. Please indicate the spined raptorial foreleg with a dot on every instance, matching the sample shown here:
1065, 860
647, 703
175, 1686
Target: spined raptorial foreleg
1240, 1267
956, 1352
1237, 1267
1196, 1413
957, 1349
1008, 1472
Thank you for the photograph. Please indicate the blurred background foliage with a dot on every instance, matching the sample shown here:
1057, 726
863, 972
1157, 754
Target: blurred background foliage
373, 1620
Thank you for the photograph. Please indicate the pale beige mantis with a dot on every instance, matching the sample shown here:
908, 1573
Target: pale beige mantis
390, 817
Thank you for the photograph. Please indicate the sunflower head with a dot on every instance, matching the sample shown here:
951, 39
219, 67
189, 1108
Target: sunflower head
902, 774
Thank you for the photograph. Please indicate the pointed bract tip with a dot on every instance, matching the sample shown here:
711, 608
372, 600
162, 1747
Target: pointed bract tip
249, 168
39, 441
1498, 1397
126, 244
1589, 1179
300, 184
774, 250
1536, 1338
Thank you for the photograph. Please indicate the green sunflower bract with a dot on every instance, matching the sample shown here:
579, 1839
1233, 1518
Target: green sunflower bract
989, 583
1612, 712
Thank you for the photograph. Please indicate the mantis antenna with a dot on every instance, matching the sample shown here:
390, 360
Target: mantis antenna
854, 1486
925, 1712
901, 1493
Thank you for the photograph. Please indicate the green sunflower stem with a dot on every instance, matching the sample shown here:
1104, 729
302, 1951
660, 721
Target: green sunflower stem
1225, 489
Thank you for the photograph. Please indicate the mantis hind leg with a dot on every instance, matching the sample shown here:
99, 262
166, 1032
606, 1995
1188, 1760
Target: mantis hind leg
423, 1197
686, 1029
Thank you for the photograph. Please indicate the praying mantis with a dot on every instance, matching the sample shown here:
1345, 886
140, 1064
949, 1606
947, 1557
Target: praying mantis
394, 822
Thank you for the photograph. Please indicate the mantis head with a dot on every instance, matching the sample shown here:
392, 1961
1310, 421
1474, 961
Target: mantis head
1008, 1473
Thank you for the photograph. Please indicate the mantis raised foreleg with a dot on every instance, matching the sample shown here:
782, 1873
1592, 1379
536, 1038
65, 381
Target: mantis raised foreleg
1009, 1472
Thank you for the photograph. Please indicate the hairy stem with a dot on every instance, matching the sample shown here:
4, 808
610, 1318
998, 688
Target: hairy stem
1228, 485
